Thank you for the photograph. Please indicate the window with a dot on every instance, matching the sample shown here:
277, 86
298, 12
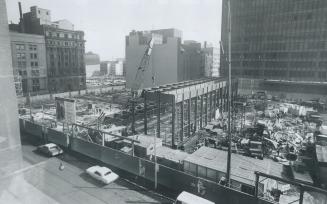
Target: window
20, 47
33, 55
66, 35
35, 72
202, 171
21, 56
39, 11
32, 47
97, 173
58, 35
22, 64
211, 174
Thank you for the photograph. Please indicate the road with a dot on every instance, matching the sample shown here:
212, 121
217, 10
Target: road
41, 181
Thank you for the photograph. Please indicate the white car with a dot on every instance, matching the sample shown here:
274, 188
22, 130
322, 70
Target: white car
102, 174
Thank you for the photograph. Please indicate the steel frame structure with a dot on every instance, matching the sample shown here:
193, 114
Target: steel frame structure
185, 107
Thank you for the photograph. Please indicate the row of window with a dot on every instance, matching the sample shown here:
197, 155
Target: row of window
277, 73
22, 47
65, 43
22, 64
22, 56
64, 35
34, 72
279, 56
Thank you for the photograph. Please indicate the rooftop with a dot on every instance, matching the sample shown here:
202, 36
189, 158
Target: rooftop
242, 167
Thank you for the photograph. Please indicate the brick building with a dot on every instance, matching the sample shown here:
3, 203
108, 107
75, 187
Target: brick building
29, 63
65, 49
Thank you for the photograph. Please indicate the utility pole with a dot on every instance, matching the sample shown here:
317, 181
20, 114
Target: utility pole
229, 95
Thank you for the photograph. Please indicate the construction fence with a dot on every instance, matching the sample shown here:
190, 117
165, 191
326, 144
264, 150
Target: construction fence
169, 180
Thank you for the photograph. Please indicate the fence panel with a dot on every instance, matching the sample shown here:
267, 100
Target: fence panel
57, 137
89, 149
119, 160
33, 129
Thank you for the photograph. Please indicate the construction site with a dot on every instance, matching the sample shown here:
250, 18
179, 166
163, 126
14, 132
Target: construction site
184, 126
200, 128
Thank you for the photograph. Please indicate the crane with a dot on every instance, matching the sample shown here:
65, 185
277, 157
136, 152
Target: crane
139, 78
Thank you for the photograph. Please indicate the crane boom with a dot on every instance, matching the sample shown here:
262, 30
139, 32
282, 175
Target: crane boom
139, 77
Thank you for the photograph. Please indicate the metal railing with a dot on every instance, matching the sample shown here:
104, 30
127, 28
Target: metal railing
303, 187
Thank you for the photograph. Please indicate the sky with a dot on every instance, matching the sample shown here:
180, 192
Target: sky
107, 22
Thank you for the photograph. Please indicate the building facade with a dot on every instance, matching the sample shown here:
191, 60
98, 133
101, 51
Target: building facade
65, 49
171, 61
211, 60
91, 58
29, 63
284, 40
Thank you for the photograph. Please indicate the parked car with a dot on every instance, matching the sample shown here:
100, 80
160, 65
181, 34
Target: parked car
102, 174
50, 149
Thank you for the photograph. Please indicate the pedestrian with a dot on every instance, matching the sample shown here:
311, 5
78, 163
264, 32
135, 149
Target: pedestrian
61, 166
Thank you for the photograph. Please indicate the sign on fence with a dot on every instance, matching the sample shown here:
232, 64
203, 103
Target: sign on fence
65, 110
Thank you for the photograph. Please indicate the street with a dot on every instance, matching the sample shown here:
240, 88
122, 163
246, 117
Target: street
41, 181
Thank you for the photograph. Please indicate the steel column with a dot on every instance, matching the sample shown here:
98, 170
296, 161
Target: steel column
201, 112
182, 119
206, 108
158, 114
189, 115
211, 102
173, 109
145, 115
196, 111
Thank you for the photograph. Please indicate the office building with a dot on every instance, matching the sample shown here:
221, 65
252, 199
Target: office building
104, 67
211, 60
276, 40
91, 58
29, 63
65, 49
171, 61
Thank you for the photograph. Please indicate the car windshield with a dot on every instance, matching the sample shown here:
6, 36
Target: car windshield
107, 173
53, 148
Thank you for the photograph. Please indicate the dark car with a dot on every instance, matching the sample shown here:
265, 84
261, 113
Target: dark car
50, 149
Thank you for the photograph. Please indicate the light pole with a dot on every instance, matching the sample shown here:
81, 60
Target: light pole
229, 95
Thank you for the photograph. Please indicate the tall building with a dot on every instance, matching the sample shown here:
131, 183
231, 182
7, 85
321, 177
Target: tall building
284, 40
104, 67
211, 60
29, 63
192, 63
65, 49
91, 58
170, 61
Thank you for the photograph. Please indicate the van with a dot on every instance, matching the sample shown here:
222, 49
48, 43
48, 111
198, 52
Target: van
189, 198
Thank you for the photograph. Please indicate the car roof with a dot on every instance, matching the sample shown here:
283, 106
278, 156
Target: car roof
49, 145
101, 170
191, 198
